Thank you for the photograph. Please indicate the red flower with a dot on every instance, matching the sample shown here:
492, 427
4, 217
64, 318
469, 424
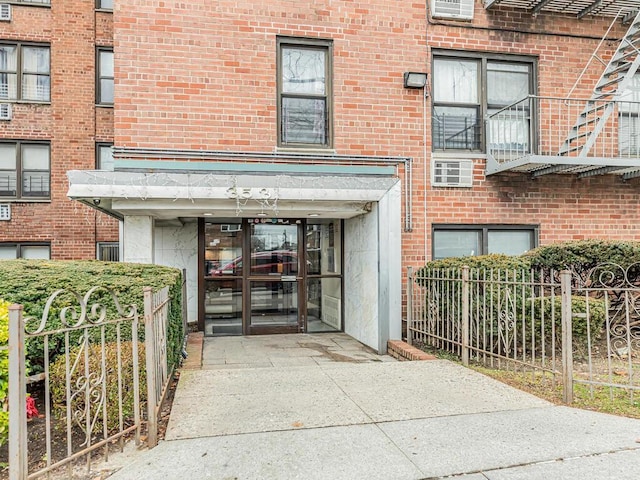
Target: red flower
32, 411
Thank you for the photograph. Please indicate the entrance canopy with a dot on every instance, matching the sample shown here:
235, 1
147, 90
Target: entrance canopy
170, 196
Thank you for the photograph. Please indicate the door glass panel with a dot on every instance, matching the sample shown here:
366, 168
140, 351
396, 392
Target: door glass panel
223, 307
324, 304
323, 243
274, 304
223, 278
274, 250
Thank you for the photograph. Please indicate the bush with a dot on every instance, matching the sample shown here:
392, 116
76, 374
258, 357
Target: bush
58, 382
4, 371
583, 256
32, 282
486, 262
544, 306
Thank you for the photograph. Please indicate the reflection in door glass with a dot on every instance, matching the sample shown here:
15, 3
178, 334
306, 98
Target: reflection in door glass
324, 310
274, 304
274, 249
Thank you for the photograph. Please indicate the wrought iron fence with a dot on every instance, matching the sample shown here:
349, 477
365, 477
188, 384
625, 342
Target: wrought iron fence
93, 370
574, 329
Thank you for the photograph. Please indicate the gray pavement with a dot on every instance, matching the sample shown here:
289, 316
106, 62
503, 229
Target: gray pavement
325, 407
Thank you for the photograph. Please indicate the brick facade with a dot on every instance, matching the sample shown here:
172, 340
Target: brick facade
71, 122
202, 76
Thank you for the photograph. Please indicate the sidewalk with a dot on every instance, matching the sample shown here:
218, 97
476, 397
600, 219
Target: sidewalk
253, 412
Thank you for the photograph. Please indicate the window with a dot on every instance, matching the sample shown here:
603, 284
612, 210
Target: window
33, 2
470, 240
108, 251
104, 156
24, 72
304, 93
24, 170
104, 4
104, 90
467, 88
11, 251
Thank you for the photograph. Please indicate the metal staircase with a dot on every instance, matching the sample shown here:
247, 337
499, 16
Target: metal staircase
614, 82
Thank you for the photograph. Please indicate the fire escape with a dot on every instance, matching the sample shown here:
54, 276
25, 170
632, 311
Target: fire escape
587, 136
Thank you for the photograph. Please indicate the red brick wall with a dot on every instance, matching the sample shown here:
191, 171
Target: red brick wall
70, 122
205, 78
564, 207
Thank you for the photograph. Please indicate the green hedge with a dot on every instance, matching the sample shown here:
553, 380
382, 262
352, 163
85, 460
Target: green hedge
583, 256
32, 282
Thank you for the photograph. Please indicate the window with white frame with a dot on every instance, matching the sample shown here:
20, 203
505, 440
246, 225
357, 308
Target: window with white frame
104, 80
304, 93
467, 87
104, 156
26, 250
471, 240
25, 72
25, 171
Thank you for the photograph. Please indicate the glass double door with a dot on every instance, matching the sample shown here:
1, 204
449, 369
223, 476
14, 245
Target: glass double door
280, 276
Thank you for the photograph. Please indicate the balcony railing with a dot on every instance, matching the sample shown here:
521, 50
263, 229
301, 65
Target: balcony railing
551, 130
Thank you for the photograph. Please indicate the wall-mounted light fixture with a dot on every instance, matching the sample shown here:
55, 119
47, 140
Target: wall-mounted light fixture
415, 80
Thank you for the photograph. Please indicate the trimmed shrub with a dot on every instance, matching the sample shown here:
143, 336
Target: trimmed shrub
487, 262
583, 256
57, 373
32, 282
543, 307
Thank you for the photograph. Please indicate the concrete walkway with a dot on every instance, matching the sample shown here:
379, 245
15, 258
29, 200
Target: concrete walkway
324, 407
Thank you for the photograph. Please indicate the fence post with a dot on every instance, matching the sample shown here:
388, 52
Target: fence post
151, 363
567, 340
17, 397
409, 305
465, 316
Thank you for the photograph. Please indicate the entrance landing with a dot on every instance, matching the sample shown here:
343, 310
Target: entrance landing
290, 350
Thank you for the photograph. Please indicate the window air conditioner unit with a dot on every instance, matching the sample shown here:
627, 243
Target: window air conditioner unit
460, 9
5, 211
230, 227
5, 12
5, 111
452, 173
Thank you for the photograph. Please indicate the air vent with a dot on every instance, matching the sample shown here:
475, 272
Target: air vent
461, 9
5, 12
452, 173
5, 211
5, 111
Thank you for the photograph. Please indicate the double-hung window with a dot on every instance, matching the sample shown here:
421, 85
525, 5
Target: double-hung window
25, 72
471, 240
304, 93
25, 170
469, 87
104, 80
